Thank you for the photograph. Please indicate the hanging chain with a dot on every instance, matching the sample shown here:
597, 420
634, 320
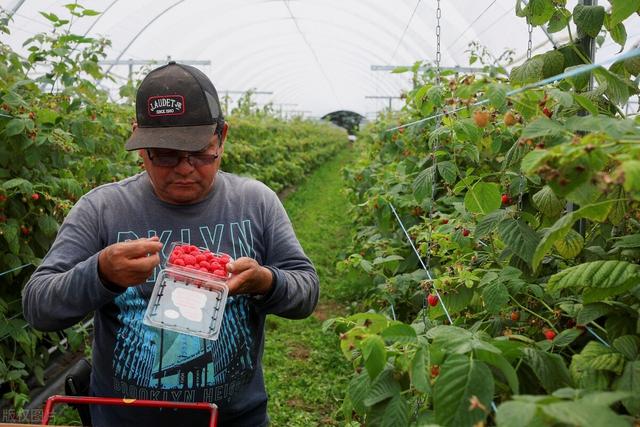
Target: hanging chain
438, 54
521, 176
530, 43
432, 198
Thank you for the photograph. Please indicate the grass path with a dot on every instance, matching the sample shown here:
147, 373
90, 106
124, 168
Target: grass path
305, 373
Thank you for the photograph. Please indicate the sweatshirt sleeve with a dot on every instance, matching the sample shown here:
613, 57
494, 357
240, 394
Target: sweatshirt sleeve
296, 285
66, 286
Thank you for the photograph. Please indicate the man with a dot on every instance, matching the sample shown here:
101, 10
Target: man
110, 247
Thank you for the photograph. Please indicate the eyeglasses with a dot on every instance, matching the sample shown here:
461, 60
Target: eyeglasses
172, 158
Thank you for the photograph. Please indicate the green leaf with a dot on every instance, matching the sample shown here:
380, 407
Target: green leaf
48, 225
483, 197
489, 222
543, 126
495, 296
617, 276
558, 21
496, 93
357, 391
529, 72
419, 376
583, 414
595, 212
538, 12
566, 337
423, 184
563, 98
630, 241
631, 171
613, 127
384, 386
455, 301
570, 245
586, 103
448, 171
553, 63
532, 161
619, 34
453, 339
10, 234
50, 16
589, 19
460, 379
547, 202
500, 362
591, 312
396, 412
557, 231
622, 9
628, 346
374, 354
516, 413
400, 333
519, 238
617, 89
548, 367
517, 151
15, 127
630, 381
24, 185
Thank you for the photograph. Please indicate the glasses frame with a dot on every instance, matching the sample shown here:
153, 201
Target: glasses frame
195, 159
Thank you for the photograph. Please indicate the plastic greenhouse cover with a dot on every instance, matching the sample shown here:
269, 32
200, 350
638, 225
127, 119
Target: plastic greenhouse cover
309, 57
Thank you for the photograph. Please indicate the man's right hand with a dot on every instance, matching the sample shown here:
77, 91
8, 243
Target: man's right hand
129, 263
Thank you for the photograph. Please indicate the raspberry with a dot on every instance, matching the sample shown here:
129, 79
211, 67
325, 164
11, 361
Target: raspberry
505, 199
220, 273
432, 299
204, 264
200, 258
465, 232
435, 371
481, 118
179, 262
189, 259
515, 316
549, 334
35, 196
510, 119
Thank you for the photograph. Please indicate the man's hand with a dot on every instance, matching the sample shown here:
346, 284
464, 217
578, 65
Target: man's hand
129, 263
248, 277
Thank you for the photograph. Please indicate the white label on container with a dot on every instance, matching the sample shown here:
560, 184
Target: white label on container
190, 303
171, 314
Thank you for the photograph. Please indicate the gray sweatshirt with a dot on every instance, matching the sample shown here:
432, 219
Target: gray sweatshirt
241, 217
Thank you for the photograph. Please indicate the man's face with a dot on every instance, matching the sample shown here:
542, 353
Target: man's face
184, 183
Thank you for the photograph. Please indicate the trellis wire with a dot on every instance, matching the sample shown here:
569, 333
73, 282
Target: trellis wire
393, 209
565, 75
14, 269
592, 332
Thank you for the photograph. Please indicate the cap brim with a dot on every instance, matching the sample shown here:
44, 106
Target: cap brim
184, 138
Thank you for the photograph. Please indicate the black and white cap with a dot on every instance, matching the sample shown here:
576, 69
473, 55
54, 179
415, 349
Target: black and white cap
177, 107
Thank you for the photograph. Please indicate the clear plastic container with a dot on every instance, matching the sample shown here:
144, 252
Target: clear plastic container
190, 298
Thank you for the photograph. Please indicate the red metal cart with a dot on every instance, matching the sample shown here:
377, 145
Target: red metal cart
112, 401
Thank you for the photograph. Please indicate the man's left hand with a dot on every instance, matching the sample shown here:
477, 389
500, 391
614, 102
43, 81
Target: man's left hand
248, 277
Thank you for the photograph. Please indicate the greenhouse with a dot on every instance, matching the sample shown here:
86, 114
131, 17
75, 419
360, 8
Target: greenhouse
409, 213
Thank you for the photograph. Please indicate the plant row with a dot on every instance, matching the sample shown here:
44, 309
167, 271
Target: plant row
525, 211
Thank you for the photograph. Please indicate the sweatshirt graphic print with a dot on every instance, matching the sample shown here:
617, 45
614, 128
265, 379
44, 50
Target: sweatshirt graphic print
150, 363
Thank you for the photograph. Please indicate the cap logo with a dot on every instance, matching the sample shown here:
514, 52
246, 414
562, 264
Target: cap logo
165, 105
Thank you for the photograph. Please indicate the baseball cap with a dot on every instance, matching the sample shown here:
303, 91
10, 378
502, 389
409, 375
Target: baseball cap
177, 107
